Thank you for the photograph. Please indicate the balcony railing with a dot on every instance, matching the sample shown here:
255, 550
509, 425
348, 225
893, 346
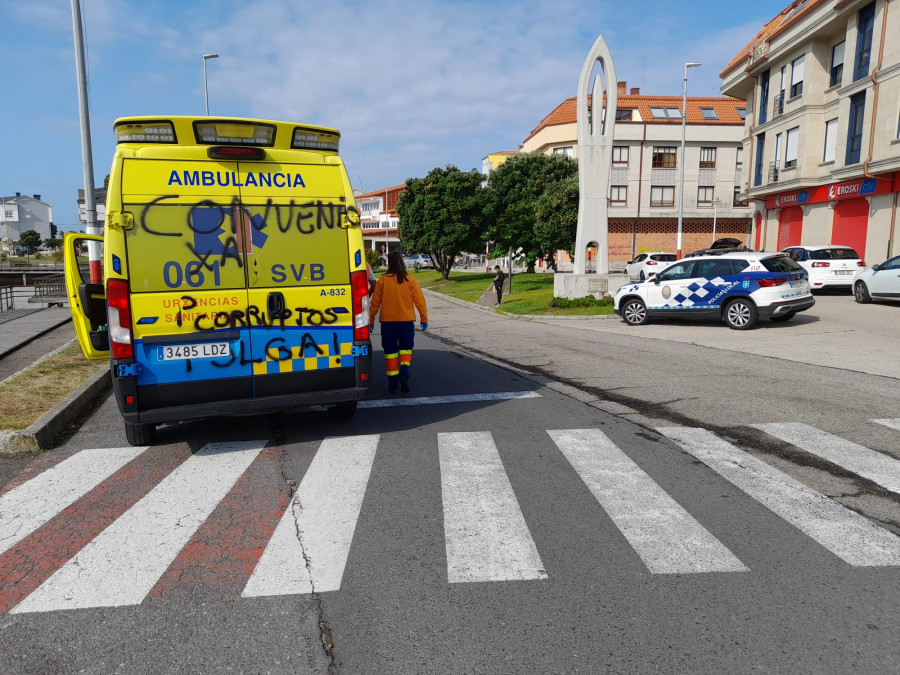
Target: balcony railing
778, 105
773, 172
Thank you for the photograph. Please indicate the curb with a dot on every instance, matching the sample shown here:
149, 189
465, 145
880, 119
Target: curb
531, 317
40, 435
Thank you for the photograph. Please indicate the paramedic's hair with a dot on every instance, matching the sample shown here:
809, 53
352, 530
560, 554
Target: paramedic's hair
396, 266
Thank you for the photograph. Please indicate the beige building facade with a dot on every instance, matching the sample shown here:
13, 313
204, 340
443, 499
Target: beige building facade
644, 186
821, 83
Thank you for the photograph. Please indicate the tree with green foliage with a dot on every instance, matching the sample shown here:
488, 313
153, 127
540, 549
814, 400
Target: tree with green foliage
53, 230
514, 189
53, 242
556, 222
443, 215
30, 239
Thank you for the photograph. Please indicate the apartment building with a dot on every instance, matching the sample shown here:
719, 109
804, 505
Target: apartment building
379, 219
645, 174
21, 213
821, 83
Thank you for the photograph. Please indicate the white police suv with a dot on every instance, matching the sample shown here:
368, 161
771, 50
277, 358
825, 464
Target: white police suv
736, 287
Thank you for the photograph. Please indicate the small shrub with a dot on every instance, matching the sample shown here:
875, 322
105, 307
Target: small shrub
586, 301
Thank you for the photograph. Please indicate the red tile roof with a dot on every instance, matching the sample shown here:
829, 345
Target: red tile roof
726, 109
787, 18
380, 193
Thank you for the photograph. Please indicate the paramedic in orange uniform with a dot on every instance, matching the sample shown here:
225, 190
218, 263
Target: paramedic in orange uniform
398, 296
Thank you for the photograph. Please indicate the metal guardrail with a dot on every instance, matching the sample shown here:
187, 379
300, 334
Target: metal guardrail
50, 287
7, 302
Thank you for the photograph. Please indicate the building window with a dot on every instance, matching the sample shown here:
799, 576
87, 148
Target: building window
854, 130
618, 195
665, 113
738, 198
709, 113
664, 157
865, 25
623, 115
742, 113
760, 153
837, 64
763, 96
707, 158
790, 148
705, 196
830, 140
797, 77
661, 195
567, 151
740, 157
620, 156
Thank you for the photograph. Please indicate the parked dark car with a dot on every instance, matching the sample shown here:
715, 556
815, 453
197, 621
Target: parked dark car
726, 244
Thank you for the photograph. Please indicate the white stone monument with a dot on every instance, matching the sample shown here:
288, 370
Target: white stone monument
596, 123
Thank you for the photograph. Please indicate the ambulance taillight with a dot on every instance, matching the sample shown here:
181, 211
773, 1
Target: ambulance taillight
118, 313
359, 285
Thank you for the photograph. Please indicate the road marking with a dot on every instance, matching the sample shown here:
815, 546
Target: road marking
869, 464
665, 536
437, 400
486, 536
891, 423
28, 506
845, 533
122, 564
309, 549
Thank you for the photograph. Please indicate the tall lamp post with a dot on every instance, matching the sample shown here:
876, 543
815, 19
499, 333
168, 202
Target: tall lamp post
681, 162
207, 57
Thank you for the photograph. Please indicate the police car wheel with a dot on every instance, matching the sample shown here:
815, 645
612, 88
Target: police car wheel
741, 314
861, 293
140, 434
634, 311
341, 412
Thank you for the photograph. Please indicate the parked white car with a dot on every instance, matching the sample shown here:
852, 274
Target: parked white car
828, 266
879, 282
420, 259
645, 265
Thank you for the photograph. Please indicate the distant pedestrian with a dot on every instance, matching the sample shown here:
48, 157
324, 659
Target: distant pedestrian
398, 296
498, 282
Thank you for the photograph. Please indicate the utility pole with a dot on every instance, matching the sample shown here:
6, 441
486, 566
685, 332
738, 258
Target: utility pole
87, 159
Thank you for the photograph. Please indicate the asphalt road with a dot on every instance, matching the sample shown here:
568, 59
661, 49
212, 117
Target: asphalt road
484, 535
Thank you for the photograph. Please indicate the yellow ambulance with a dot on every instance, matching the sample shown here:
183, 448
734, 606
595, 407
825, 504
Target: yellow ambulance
232, 277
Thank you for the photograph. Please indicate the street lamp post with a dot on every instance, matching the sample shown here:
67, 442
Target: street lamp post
681, 159
716, 205
207, 57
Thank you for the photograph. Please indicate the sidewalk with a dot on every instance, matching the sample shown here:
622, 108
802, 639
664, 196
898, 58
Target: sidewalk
20, 326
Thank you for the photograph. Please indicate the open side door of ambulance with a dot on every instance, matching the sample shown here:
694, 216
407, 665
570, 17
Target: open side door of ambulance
87, 297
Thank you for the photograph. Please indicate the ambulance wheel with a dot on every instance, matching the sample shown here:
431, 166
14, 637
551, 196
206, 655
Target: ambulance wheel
861, 293
341, 412
140, 434
741, 314
634, 311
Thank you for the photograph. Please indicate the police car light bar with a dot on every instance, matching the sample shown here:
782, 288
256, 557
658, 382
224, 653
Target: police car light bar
315, 139
145, 132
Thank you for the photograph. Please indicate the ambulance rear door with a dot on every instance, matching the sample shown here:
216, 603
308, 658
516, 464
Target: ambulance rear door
299, 277
187, 275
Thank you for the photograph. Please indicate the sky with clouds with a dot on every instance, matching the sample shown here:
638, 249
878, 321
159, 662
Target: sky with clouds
411, 84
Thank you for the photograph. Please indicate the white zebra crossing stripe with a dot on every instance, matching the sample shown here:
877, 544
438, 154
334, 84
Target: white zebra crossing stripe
122, 564
486, 536
845, 533
878, 468
28, 506
309, 548
665, 536
892, 423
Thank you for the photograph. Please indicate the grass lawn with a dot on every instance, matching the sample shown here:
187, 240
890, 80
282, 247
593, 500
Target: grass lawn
28, 396
531, 293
